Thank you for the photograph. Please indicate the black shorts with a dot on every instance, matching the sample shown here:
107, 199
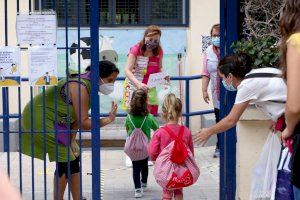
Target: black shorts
62, 167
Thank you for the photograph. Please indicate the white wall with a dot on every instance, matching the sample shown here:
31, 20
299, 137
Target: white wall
252, 132
203, 14
12, 40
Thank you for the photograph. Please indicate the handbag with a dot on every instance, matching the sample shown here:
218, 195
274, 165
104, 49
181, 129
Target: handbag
62, 134
284, 187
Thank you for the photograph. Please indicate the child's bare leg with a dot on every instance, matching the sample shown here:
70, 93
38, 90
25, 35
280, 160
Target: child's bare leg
178, 195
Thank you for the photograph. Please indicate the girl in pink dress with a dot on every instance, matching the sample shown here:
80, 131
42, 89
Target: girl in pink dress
144, 58
172, 109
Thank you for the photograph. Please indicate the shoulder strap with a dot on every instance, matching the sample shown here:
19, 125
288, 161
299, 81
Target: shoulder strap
172, 135
266, 75
144, 122
263, 75
181, 132
131, 121
278, 101
170, 132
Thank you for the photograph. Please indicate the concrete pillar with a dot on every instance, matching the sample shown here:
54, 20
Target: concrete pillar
252, 132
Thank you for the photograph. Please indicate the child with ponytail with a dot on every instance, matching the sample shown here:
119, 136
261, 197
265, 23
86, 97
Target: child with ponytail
171, 113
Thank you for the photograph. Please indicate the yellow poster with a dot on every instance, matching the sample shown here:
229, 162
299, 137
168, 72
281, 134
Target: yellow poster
9, 66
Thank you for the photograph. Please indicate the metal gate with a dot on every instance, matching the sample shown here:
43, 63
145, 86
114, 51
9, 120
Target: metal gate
18, 92
227, 167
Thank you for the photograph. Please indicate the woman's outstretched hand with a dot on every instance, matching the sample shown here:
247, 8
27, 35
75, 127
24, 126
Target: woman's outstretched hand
113, 111
202, 136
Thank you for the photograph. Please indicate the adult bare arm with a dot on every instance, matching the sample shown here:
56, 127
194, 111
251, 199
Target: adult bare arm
228, 122
292, 111
130, 64
84, 99
205, 82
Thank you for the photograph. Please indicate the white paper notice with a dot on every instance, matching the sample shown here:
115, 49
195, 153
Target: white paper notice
10, 66
156, 79
36, 29
42, 65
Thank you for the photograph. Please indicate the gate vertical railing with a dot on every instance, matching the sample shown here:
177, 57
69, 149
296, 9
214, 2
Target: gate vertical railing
229, 22
94, 31
79, 92
5, 105
95, 115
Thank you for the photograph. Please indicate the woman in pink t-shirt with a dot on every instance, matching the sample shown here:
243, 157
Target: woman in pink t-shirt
147, 53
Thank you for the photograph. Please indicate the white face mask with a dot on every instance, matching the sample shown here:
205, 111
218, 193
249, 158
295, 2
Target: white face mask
106, 88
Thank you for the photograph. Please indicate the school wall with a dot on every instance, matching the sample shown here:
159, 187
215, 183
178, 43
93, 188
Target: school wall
203, 14
12, 40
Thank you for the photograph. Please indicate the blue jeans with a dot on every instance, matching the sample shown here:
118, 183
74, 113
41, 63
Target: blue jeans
296, 193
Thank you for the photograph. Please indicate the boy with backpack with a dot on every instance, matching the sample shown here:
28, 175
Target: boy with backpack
172, 149
138, 125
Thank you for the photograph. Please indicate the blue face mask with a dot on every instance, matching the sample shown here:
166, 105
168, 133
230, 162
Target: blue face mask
228, 87
215, 41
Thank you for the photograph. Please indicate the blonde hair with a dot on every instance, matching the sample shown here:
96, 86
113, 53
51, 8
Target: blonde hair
172, 108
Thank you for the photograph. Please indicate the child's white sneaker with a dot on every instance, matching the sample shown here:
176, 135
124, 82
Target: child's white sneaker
138, 193
144, 186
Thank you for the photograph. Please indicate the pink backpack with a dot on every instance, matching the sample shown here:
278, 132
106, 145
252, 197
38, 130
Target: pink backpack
136, 145
175, 167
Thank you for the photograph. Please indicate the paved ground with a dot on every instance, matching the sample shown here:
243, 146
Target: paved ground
116, 179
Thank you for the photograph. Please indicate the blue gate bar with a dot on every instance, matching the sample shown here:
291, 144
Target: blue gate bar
94, 31
173, 78
56, 144
5, 104
187, 102
79, 92
20, 140
66, 13
229, 20
44, 143
32, 141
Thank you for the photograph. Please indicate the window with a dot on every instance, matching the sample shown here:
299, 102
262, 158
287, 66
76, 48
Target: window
121, 12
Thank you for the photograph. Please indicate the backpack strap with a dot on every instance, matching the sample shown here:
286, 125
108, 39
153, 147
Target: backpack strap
266, 75
172, 135
133, 123
181, 132
143, 122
